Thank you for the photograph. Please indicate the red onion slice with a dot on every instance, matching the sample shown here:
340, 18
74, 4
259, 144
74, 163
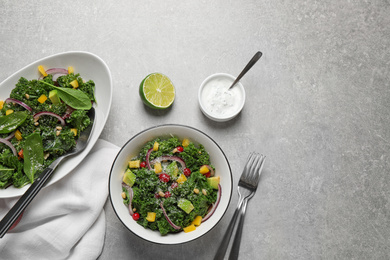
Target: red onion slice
168, 219
169, 158
7, 143
10, 136
148, 157
12, 100
54, 71
37, 115
130, 191
214, 206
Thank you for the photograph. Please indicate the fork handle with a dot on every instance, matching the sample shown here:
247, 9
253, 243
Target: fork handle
12, 215
237, 238
228, 234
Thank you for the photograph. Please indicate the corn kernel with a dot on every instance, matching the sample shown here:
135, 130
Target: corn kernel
197, 220
70, 69
134, 164
74, 84
157, 167
151, 217
42, 99
189, 228
42, 70
155, 146
185, 142
9, 111
18, 135
74, 130
204, 169
182, 178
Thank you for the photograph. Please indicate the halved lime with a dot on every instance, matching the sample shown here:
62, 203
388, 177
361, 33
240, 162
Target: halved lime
157, 91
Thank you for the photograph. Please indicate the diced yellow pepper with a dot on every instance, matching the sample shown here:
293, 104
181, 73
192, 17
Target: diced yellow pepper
74, 83
185, 142
1, 104
9, 111
204, 169
157, 167
155, 146
74, 130
42, 99
182, 178
189, 228
70, 69
151, 217
18, 135
42, 70
197, 220
134, 164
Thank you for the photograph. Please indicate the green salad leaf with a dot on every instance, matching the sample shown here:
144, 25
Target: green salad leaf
33, 155
10, 122
73, 97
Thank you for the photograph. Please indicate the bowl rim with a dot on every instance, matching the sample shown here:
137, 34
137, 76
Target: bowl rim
149, 129
204, 110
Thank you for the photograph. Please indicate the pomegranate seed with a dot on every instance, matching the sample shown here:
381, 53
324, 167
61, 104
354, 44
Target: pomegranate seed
187, 172
136, 216
167, 194
164, 177
180, 149
207, 174
174, 185
142, 164
157, 196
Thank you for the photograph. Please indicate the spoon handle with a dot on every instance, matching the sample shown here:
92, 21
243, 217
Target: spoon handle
252, 62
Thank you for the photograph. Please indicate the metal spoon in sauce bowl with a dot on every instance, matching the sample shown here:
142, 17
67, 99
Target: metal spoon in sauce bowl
248, 67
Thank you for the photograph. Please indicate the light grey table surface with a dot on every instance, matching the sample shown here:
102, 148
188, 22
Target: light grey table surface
317, 105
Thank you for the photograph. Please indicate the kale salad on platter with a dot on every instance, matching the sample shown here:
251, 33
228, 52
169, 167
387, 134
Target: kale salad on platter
40, 121
170, 186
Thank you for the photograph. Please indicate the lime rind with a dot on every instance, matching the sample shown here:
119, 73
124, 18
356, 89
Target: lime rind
157, 91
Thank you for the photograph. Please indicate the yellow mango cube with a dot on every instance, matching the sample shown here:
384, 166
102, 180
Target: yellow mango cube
42, 99
151, 217
134, 164
197, 220
186, 142
189, 228
157, 167
74, 130
182, 178
1, 104
42, 70
155, 146
74, 83
9, 111
18, 135
70, 69
204, 169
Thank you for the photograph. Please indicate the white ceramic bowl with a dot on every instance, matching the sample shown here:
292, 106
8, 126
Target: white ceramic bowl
90, 67
216, 101
132, 148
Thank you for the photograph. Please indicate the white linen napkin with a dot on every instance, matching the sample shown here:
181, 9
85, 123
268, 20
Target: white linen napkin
65, 220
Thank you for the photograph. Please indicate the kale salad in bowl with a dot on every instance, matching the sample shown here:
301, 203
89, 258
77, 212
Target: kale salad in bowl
43, 110
170, 184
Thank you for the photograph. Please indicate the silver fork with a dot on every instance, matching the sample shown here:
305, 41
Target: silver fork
247, 186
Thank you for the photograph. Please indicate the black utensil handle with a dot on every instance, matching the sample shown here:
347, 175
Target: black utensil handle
227, 236
12, 215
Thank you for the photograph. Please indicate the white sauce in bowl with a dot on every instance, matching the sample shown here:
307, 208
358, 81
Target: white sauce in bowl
219, 102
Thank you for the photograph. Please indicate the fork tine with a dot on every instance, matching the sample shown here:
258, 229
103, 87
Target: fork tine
248, 165
259, 168
253, 166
